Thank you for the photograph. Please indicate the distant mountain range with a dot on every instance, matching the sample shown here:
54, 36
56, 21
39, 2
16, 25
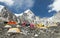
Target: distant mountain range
27, 16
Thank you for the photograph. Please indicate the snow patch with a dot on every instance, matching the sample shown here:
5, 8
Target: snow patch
1, 7
36, 35
27, 11
19, 14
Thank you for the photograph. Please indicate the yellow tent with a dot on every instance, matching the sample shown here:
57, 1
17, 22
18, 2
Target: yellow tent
39, 25
14, 30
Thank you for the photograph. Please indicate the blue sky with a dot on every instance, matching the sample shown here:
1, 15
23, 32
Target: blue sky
38, 7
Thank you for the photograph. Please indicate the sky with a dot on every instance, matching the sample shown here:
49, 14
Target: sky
41, 8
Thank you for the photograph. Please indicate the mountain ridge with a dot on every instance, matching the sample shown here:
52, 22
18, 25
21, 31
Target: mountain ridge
27, 16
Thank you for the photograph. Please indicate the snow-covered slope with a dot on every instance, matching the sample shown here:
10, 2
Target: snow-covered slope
5, 13
19, 14
56, 17
28, 12
28, 16
1, 7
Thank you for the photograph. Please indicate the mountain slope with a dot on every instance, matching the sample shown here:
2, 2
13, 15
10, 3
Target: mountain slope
6, 14
28, 16
55, 17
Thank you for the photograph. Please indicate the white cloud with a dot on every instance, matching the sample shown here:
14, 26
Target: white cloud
55, 6
19, 4
23, 4
8, 2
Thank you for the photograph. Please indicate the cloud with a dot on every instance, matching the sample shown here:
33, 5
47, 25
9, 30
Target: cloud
23, 4
7, 2
55, 6
19, 4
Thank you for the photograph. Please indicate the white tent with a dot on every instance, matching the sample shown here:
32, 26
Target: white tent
14, 30
8, 26
18, 26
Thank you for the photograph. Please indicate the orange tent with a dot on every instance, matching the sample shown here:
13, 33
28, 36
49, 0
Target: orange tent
12, 22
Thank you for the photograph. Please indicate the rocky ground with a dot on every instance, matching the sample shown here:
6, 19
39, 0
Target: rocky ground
51, 32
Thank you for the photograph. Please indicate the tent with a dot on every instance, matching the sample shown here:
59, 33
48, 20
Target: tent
32, 26
18, 26
12, 22
8, 26
40, 25
14, 30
